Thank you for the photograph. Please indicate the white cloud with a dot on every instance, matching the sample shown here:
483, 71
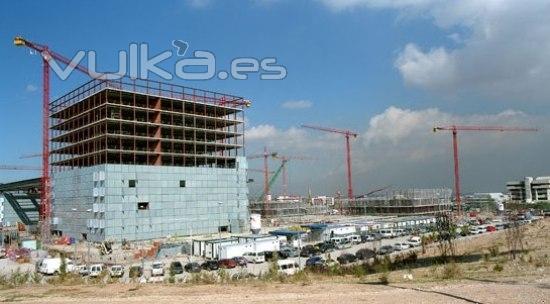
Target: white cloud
31, 88
501, 47
418, 68
297, 104
349, 4
261, 132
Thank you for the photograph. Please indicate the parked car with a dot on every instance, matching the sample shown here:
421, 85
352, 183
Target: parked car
400, 232
192, 267
355, 239
315, 261
157, 269
478, 230
491, 228
308, 251
176, 267
401, 246
367, 238
227, 263
414, 241
386, 233
346, 258
240, 261
135, 272
287, 267
386, 249
288, 252
70, 266
254, 257
96, 270
271, 255
116, 271
325, 247
210, 265
82, 270
341, 242
499, 226
364, 254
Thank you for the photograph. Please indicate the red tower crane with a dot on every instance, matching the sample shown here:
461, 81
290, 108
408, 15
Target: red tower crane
347, 134
284, 164
47, 56
454, 129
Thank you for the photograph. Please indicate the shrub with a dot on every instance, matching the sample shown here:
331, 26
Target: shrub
494, 250
203, 278
498, 268
384, 278
451, 271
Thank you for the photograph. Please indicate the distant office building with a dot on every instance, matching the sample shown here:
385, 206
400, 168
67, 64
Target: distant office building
486, 201
530, 189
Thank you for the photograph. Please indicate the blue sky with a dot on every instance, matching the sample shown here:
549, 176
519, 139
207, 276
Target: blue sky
348, 61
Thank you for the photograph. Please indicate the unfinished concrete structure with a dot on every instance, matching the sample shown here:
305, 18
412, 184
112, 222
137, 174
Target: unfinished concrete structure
279, 209
400, 202
138, 159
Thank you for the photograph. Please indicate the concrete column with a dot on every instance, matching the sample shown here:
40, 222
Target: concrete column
528, 193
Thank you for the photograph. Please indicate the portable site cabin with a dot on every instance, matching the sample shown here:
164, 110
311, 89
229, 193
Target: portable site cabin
294, 238
210, 248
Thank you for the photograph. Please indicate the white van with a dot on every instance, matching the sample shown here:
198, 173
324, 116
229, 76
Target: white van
287, 267
255, 257
386, 233
53, 266
354, 239
341, 242
96, 270
399, 232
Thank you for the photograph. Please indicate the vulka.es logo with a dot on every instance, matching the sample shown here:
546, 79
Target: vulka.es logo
202, 65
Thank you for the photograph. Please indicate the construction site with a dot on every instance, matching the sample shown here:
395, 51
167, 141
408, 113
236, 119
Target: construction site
133, 160
149, 181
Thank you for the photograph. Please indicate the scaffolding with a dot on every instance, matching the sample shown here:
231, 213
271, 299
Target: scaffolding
144, 122
400, 202
280, 209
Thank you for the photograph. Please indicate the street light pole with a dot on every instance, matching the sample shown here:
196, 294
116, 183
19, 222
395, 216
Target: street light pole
219, 219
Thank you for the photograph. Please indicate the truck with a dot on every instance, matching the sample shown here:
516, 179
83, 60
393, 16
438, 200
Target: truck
258, 246
234, 250
53, 266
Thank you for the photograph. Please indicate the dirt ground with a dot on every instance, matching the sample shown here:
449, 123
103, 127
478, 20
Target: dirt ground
524, 280
536, 291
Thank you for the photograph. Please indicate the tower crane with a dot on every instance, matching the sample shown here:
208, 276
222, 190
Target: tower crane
347, 134
48, 56
265, 155
284, 163
454, 131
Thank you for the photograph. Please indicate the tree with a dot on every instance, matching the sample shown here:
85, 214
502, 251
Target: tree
515, 234
445, 236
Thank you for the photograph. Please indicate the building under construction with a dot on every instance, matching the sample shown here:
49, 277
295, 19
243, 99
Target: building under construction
138, 159
400, 202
